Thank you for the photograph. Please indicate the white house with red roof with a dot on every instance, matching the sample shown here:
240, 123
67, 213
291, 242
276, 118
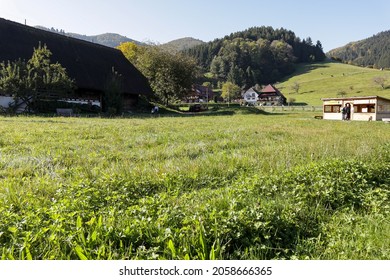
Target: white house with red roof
268, 96
250, 96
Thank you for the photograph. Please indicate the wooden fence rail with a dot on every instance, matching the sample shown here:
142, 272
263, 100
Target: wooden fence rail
291, 108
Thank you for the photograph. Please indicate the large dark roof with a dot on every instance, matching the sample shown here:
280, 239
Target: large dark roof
89, 64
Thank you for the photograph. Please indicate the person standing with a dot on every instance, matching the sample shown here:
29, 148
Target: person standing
347, 111
344, 113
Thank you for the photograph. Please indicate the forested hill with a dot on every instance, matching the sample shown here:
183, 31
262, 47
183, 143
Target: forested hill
258, 55
372, 52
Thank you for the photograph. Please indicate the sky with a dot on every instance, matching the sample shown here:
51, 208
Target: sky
333, 22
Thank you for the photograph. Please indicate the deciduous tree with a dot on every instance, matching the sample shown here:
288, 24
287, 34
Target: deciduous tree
381, 81
295, 87
230, 91
36, 80
170, 74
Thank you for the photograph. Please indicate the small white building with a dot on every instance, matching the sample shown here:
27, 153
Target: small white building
6, 101
363, 108
250, 96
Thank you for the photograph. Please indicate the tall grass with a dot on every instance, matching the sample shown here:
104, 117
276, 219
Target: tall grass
223, 187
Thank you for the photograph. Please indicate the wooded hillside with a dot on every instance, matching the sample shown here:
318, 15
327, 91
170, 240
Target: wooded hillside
258, 55
372, 52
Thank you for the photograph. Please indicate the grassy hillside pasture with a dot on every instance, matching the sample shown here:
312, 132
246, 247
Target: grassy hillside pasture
242, 186
321, 80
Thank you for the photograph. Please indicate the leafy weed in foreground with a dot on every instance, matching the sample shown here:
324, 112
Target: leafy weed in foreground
133, 189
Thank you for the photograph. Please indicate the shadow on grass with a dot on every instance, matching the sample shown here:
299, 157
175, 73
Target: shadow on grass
222, 111
163, 112
225, 111
304, 68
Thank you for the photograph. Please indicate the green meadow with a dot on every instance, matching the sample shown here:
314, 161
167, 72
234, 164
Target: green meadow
329, 79
243, 185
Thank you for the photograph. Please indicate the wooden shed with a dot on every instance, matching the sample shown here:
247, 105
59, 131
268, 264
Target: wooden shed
364, 108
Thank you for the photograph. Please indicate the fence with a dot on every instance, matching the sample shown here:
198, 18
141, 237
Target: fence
291, 108
307, 108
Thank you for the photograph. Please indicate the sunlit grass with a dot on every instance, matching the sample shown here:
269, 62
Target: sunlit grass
324, 80
190, 187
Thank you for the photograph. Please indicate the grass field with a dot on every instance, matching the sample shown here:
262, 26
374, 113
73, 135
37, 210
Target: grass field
322, 80
244, 185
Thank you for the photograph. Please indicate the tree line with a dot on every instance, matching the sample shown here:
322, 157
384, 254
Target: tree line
258, 55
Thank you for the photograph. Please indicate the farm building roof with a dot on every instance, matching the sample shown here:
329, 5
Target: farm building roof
270, 90
354, 98
88, 63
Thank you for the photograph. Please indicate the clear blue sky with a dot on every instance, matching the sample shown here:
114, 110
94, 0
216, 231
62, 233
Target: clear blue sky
333, 22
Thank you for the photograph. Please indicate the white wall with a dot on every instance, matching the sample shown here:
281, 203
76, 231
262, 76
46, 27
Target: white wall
363, 116
332, 116
5, 101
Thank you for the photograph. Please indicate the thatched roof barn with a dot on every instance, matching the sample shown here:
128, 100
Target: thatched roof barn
89, 64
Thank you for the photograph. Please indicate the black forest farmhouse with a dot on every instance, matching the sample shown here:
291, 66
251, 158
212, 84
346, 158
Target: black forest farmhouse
90, 65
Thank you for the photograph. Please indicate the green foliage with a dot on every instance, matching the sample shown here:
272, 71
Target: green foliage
230, 91
373, 52
12, 79
258, 55
170, 75
131, 189
36, 80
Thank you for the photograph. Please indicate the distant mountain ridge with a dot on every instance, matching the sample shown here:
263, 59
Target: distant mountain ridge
183, 43
107, 39
113, 40
371, 52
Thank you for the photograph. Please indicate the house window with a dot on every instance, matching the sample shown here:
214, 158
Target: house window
364, 108
332, 108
